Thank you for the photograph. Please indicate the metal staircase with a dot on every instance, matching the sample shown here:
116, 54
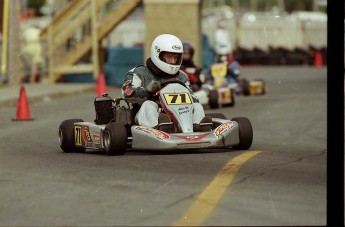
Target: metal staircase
77, 33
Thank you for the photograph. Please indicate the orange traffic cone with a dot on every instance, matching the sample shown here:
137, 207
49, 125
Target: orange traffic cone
23, 112
318, 60
101, 86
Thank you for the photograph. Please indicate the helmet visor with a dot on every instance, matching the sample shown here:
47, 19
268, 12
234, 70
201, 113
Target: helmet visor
171, 58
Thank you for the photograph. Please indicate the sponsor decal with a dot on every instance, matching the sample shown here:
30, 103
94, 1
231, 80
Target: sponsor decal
176, 47
96, 137
77, 136
193, 138
223, 128
86, 134
183, 110
159, 134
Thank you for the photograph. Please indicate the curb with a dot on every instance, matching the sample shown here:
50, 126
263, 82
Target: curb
12, 102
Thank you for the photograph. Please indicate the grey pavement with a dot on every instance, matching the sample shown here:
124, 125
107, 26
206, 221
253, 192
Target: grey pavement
9, 94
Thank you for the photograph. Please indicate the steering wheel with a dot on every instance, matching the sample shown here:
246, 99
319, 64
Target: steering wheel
173, 81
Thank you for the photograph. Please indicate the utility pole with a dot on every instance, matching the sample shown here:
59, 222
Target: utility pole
253, 5
281, 6
235, 5
4, 37
14, 73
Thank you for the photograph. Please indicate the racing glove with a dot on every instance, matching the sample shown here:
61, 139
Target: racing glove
195, 98
140, 92
153, 86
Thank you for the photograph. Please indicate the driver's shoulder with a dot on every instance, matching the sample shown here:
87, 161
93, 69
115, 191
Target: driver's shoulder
142, 71
182, 76
139, 68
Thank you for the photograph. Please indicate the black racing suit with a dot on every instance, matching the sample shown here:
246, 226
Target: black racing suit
134, 91
136, 80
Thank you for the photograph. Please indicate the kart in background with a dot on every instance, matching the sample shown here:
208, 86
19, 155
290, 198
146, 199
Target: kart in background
114, 130
225, 76
215, 98
208, 95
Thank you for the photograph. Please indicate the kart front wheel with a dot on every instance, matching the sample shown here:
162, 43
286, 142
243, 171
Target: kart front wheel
213, 99
245, 133
245, 87
232, 92
66, 136
115, 138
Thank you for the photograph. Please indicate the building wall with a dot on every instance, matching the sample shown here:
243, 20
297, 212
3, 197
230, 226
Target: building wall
180, 17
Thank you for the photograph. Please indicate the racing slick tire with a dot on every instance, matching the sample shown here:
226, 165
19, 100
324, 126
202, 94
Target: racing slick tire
232, 97
245, 133
217, 115
115, 138
245, 87
66, 136
213, 99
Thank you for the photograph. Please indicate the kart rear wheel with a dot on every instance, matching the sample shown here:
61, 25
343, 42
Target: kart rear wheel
245, 133
213, 99
66, 136
115, 138
217, 115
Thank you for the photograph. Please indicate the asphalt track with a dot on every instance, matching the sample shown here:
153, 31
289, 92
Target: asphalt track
280, 181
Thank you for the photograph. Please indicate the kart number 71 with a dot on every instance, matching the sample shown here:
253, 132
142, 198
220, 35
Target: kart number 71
176, 99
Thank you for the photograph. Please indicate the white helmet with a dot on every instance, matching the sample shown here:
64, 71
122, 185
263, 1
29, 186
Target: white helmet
166, 43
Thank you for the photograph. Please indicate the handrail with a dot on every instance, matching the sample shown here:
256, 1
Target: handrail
95, 19
74, 6
59, 18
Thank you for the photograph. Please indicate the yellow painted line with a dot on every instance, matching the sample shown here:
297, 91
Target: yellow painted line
207, 200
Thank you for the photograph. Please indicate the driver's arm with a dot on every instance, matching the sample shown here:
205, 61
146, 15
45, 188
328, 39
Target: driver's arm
132, 88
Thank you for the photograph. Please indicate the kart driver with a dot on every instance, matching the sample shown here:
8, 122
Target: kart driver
193, 72
233, 72
143, 81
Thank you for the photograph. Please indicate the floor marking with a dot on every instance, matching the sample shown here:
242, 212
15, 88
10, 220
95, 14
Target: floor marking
207, 200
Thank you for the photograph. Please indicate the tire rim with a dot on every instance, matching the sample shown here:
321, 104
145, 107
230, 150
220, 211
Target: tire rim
60, 137
107, 139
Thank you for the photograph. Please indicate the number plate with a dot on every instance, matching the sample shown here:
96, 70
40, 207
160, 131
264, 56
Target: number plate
177, 99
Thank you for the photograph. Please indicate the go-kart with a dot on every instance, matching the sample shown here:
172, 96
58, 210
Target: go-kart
221, 79
114, 130
213, 97
208, 95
